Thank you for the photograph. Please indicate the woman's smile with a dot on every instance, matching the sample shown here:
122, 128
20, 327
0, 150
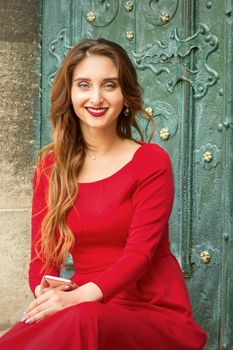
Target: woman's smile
96, 112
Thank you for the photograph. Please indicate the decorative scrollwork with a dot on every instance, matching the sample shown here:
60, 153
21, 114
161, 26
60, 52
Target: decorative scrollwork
166, 116
197, 252
174, 60
104, 11
208, 156
58, 49
159, 12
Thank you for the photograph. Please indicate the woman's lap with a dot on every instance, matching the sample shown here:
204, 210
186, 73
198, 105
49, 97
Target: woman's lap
96, 326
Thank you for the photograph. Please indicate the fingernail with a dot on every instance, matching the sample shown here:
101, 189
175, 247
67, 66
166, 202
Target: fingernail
67, 287
23, 319
28, 320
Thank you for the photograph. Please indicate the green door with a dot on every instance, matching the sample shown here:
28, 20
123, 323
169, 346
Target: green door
183, 54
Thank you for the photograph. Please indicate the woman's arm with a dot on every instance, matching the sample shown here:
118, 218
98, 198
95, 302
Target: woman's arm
152, 204
55, 300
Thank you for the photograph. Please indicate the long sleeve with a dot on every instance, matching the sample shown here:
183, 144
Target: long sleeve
152, 204
39, 208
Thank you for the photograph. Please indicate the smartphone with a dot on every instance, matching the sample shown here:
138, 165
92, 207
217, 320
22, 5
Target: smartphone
58, 281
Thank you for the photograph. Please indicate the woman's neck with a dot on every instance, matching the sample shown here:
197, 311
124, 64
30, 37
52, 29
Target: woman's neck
101, 141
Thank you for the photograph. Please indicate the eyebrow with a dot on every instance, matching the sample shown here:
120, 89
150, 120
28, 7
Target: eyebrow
86, 79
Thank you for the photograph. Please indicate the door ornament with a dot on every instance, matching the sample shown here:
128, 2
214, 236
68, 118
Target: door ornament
165, 18
91, 16
166, 119
58, 49
164, 134
208, 156
205, 255
100, 13
159, 12
149, 111
128, 6
129, 35
174, 58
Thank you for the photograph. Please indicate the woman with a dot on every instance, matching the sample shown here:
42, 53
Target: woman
107, 199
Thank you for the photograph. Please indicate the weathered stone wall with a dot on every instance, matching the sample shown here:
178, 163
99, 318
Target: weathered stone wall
19, 91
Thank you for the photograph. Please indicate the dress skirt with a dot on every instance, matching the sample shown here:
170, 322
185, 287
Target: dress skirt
97, 326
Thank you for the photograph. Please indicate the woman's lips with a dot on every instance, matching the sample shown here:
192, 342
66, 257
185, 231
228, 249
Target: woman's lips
96, 112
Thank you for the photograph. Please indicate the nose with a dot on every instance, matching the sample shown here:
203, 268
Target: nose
96, 97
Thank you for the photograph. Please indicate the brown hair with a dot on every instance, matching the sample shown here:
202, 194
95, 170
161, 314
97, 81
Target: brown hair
69, 148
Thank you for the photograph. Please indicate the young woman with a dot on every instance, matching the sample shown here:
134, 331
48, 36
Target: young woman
105, 198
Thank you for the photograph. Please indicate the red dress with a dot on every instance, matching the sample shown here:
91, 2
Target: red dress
122, 244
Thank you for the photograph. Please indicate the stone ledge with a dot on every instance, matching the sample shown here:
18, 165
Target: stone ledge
5, 329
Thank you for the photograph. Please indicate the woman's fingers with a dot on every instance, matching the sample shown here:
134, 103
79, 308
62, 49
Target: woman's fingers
41, 299
39, 315
43, 306
44, 283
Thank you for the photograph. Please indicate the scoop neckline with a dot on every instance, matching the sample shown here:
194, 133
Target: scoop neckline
142, 143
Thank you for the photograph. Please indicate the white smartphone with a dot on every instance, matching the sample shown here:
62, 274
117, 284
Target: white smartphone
58, 281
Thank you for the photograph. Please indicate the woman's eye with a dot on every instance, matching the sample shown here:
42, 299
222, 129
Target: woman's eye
110, 86
83, 85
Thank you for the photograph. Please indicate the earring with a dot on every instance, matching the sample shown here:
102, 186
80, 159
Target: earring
126, 111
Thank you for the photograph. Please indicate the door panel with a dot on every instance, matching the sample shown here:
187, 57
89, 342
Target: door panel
182, 51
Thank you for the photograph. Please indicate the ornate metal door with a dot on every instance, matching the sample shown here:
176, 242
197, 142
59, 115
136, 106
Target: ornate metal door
183, 54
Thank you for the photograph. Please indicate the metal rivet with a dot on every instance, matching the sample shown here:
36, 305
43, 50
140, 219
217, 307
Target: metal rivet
165, 17
91, 16
128, 6
220, 127
208, 5
164, 58
207, 38
225, 346
201, 89
149, 111
226, 124
212, 41
226, 236
220, 92
207, 157
164, 134
205, 257
210, 78
129, 35
228, 12
202, 30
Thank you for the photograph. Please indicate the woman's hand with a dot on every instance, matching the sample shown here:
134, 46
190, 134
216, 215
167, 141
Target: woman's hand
54, 300
47, 304
44, 287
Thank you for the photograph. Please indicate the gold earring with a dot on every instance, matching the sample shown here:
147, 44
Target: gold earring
126, 111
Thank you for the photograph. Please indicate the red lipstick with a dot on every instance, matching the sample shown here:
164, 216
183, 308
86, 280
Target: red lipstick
96, 112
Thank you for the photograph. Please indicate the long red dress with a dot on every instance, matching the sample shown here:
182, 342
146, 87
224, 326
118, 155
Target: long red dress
121, 228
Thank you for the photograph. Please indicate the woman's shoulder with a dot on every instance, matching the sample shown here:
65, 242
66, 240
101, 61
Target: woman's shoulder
151, 154
45, 163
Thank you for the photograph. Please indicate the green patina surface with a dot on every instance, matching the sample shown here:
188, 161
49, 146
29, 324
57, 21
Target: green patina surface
183, 54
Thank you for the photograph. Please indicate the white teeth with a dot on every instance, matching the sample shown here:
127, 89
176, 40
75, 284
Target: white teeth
97, 110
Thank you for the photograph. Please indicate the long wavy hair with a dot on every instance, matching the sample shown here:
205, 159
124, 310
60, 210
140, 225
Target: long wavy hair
68, 148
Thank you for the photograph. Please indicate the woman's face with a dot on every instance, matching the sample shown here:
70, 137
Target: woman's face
95, 93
